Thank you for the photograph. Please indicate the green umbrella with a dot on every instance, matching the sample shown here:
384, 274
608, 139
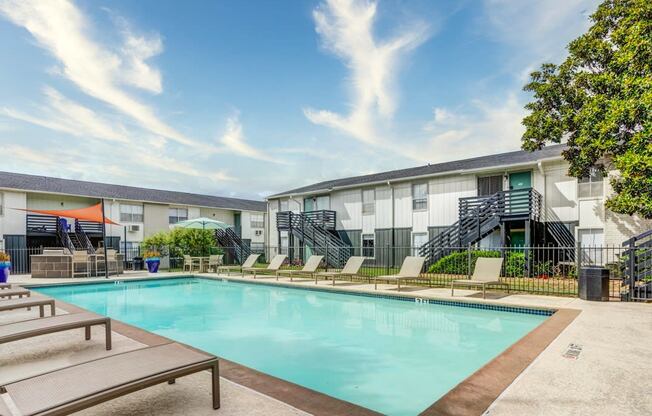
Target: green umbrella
203, 223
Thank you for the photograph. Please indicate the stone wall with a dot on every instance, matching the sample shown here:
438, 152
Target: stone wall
51, 266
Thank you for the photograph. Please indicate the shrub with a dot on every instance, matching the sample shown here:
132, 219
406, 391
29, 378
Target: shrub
458, 262
180, 241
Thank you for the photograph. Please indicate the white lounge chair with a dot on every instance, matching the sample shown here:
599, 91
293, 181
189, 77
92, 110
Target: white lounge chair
410, 269
309, 269
251, 260
273, 266
486, 273
351, 268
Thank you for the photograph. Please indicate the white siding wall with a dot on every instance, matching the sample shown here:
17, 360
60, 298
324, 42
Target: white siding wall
13, 221
272, 233
193, 212
561, 192
591, 213
402, 205
247, 231
444, 195
383, 217
348, 205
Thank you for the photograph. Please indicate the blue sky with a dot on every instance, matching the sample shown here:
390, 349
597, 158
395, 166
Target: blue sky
248, 98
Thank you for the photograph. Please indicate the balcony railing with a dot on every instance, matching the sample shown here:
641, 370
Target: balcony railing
320, 218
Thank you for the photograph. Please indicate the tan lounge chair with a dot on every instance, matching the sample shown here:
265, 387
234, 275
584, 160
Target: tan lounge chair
41, 326
189, 263
351, 268
273, 266
486, 273
410, 269
309, 269
214, 261
81, 257
18, 291
80, 386
251, 260
41, 302
6, 286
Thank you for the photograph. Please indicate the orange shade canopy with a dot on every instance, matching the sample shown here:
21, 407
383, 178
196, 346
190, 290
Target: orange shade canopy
92, 213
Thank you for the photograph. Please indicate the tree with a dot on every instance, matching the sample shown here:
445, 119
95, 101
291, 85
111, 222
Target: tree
180, 241
600, 101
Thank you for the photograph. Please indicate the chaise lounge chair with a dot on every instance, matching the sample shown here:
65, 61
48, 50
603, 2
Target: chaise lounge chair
486, 272
309, 269
249, 263
27, 303
41, 326
351, 268
410, 269
272, 267
6, 286
80, 386
17, 291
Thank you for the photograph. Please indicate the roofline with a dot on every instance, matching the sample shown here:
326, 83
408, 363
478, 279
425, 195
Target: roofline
131, 200
408, 178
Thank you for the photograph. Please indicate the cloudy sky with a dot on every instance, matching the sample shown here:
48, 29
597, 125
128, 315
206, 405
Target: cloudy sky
247, 98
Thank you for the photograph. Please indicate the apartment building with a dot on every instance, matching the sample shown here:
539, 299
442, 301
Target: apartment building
140, 212
530, 193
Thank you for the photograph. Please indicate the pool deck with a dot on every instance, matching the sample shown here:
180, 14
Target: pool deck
609, 376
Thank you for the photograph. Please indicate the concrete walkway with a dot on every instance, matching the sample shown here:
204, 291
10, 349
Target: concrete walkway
606, 371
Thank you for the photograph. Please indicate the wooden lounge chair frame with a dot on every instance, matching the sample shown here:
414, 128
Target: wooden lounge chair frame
351, 268
57, 323
486, 273
309, 269
410, 269
248, 263
27, 303
15, 291
31, 395
273, 266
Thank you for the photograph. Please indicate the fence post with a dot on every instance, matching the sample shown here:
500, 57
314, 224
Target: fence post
631, 268
578, 263
326, 255
468, 261
387, 261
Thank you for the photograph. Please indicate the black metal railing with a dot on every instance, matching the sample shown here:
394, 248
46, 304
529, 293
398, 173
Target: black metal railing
232, 242
638, 267
83, 238
41, 224
323, 218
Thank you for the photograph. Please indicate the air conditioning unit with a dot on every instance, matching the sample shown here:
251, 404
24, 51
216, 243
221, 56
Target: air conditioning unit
133, 228
259, 232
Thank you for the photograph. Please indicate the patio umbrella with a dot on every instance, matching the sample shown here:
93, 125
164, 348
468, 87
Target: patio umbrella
203, 223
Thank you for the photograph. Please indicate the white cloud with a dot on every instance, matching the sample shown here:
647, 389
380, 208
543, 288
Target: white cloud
346, 30
234, 141
60, 28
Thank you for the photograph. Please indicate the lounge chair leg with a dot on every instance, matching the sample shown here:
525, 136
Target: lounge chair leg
399, 285
484, 292
87, 331
107, 334
41, 311
172, 381
216, 386
52, 312
452, 289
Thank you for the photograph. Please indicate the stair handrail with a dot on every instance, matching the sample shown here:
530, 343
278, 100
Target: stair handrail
86, 242
64, 237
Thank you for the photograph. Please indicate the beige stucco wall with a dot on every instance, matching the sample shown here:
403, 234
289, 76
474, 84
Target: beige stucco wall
217, 214
156, 219
54, 201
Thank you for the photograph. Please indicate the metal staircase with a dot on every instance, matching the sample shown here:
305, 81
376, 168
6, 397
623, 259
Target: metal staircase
232, 242
63, 235
316, 229
480, 216
82, 238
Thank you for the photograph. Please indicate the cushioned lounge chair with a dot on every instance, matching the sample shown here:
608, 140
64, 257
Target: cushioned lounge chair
272, 267
410, 270
27, 303
251, 260
486, 273
80, 386
14, 291
41, 326
351, 268
309, 269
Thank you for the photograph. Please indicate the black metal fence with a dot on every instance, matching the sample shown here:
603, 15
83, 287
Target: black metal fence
638, 267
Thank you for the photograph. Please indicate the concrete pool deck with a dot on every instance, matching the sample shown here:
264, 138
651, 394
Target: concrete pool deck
606, 371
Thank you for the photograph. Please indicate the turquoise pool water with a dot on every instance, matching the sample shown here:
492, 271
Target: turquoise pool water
392, 356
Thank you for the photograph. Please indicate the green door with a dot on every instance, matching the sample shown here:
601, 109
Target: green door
517, 238
520, 180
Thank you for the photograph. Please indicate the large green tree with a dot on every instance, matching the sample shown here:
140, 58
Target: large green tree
599, 100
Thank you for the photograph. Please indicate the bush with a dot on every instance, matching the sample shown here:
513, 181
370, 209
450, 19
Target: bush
180, 241
458, 262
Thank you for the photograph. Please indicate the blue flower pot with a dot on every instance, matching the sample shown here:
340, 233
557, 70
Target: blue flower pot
152, 264
4, 271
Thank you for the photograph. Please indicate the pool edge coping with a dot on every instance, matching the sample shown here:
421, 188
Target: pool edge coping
471, 397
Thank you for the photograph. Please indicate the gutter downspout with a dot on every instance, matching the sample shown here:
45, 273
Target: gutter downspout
389, 183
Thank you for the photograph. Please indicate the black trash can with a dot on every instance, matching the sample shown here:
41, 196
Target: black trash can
594, 283
139, 264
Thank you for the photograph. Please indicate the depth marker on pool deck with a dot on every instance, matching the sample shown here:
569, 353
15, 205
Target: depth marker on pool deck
573, 352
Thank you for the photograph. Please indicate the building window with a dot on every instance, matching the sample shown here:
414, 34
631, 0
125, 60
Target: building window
2, 203
284, 205
131, 213
257, 221
178, 214
368, 202
368, 243
591, 186
418, 240
489, 185
420, 196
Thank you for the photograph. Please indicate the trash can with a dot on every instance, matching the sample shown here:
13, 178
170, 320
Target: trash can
594, 283
139, 264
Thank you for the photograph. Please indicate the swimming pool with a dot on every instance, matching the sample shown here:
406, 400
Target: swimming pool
393, 356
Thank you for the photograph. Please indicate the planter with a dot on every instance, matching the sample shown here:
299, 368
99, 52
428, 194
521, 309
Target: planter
4, 271
152, 264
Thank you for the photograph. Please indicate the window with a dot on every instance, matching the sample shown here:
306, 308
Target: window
284, 205
2, 203
418, 240
131, 213
591, 186
178, 214
257, 221
368, 243
368, 202
489, 185
419, 196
